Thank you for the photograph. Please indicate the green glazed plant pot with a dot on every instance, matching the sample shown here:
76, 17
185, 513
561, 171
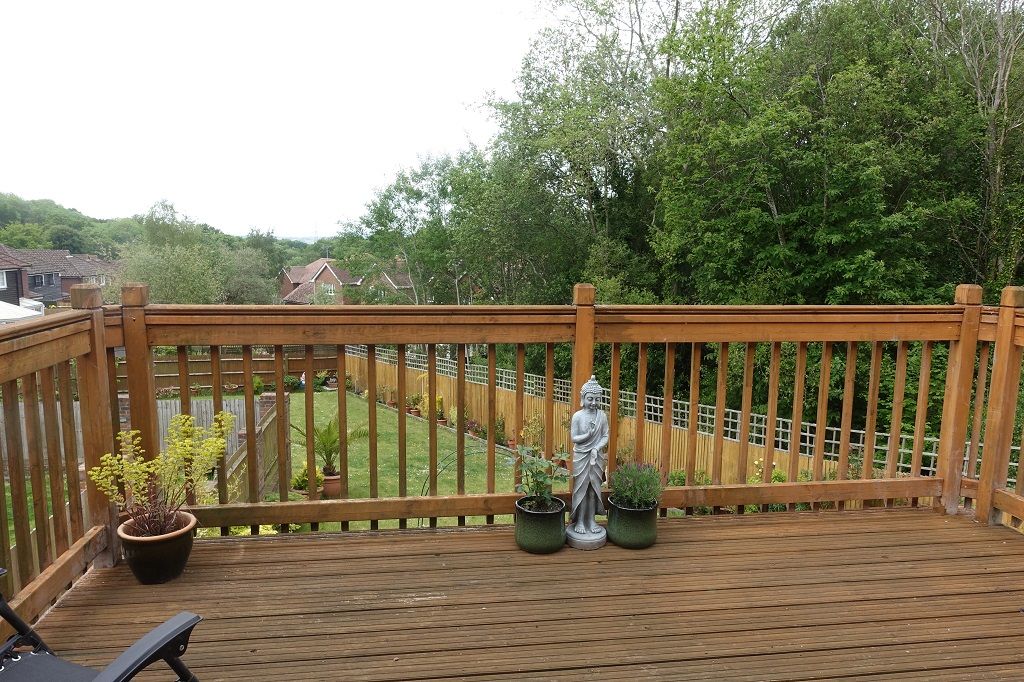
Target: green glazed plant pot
159, 558
632, 528
540, 532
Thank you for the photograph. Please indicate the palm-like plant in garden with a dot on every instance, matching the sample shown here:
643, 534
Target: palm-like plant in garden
327, 443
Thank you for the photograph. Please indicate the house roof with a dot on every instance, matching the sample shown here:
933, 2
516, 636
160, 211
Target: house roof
299, 274
63, 262
9, 259
302, 294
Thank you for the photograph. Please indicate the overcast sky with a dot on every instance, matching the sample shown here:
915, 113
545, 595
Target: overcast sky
282, 115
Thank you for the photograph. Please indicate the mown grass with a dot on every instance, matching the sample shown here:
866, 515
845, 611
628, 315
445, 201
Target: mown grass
325, 406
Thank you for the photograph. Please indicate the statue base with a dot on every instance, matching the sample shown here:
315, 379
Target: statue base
585, 540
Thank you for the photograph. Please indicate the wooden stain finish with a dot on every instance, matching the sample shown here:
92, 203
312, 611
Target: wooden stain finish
54, 463
667, 410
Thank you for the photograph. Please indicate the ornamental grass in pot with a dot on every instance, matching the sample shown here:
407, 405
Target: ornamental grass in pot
634, 492
540, 516
156, 537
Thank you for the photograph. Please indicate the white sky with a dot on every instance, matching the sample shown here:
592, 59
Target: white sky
282, 115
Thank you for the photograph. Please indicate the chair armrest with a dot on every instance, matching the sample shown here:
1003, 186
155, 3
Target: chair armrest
167, 641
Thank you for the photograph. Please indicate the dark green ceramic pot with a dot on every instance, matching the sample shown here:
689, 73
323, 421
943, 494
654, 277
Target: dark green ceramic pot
632, 528
540, 532
160, 558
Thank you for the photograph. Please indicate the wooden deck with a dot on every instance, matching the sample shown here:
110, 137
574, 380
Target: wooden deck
878, 594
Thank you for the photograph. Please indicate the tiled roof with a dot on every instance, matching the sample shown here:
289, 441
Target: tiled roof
303, 294
63, 262
9, 259
298, 274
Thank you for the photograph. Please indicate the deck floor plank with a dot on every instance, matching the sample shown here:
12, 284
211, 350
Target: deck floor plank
859, 595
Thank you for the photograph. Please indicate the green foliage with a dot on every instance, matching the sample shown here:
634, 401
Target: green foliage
538, 476
152, 491
327, 442
300, 481
636, 485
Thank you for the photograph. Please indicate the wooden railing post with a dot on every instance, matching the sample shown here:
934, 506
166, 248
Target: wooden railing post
97, 431
141, 385
1002, 405
583, 348
956, 406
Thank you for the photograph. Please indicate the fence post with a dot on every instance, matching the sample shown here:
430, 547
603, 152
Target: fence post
956, 406
1002, 405
97, 431
139, 358
583, 346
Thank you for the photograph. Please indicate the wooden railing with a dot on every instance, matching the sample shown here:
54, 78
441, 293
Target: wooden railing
873, 369
59, 524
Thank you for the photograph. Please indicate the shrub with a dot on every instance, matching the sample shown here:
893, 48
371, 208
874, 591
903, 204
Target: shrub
538, 475
291, 383
636, 486
257, 385
300, 481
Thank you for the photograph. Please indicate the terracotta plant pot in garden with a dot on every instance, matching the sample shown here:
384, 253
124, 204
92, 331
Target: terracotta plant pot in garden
414, 411
442, 421
158, 558
332, 487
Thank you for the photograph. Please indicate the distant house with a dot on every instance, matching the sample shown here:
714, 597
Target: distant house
15, 301
327, 282
52, 272
299, 283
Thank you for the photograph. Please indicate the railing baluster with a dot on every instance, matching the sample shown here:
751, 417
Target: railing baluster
896, 420
772, 417
796, 429
846, 426
54, 465
821, 425
115, 408
432, 424
742, 460
520, 397
492, 403
7, 583
613, 416
639, 454
721, 386
184, 392
371, 406
217, 389
549, 402
666, 413
251, 464
69, 443
871, 418
691, 427
34, 446
921, 416
460, 425
16, 476
403, 474
980, 396
342, 370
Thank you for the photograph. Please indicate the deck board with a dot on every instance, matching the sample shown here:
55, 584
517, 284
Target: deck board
859, 595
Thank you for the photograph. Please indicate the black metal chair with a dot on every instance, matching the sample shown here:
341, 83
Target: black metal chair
24, 657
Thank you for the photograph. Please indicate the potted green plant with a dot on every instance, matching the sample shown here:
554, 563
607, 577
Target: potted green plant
634, 492
440, 412
326, 448
540, 516
156, 537
412, 404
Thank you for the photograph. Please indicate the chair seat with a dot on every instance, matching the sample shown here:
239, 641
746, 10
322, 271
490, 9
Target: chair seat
44, 668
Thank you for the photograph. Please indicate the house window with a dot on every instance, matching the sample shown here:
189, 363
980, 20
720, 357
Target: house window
49, 279
35, 281
3, 279
329, 289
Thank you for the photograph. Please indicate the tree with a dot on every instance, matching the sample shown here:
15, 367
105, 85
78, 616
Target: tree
64, 237
25, 236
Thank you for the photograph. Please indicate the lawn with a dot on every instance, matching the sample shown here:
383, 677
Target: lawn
325, 406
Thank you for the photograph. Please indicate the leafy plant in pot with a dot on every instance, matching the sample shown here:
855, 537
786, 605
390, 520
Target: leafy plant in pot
540, 516
157, 536
635, 490
327, 447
